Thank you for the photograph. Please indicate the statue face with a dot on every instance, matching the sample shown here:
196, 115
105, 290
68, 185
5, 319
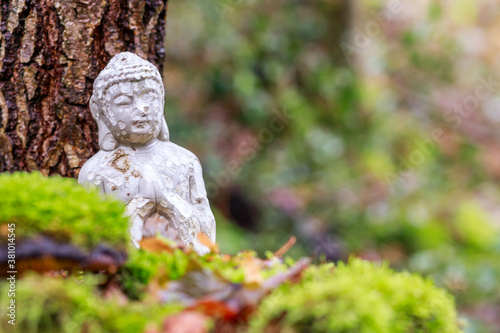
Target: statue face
133, 111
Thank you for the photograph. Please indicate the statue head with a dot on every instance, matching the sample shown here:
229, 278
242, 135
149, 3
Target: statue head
127, 103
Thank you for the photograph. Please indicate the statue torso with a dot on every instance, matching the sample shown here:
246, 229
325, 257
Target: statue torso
149, 173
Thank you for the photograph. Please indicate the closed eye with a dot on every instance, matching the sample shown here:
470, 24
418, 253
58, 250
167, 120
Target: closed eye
123, 100
149, 96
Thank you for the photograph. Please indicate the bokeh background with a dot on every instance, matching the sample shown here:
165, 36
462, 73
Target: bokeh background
367, 128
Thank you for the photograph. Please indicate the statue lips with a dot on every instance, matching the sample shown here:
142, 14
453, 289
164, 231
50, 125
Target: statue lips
141, 123
140, 118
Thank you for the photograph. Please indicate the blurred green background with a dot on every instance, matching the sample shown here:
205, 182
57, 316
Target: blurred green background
367, 128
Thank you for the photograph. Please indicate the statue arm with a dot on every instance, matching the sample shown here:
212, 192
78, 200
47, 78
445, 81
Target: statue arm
199, 201
89, 171
192, 213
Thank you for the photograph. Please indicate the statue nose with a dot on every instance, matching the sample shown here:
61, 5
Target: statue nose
141, 108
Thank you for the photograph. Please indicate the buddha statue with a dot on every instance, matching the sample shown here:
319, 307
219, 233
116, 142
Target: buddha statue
137, 162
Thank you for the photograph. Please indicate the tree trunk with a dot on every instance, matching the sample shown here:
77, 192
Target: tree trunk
50, 53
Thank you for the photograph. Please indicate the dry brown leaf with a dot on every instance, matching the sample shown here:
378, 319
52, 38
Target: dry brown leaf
155, 245
204, 290
208, 243
253, 272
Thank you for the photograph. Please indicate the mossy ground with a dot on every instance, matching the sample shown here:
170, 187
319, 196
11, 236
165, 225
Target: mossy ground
358, 297
162, 279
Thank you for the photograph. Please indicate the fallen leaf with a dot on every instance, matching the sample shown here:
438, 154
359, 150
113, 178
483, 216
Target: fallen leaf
208, 243
207, 291
253, 272
155, 245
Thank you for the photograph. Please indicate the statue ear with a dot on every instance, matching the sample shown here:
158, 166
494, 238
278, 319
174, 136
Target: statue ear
94, 108
164, 134
106, 140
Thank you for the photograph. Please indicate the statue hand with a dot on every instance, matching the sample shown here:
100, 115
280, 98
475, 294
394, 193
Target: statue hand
177, 205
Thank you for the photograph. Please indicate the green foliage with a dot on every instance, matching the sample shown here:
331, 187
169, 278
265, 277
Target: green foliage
358, 297
61, 208
46, 304
475, 228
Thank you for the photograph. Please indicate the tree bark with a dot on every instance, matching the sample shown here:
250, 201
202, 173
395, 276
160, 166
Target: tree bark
50, 53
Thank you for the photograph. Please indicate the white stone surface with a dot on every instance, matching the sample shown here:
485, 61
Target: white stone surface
137, 162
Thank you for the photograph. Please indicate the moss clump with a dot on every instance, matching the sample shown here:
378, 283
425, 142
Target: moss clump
47, 304
143, 266
61, 208
358, 297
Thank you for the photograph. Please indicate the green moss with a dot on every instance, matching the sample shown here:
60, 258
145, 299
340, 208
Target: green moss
61, 208
143, 266
358, 297
46, 304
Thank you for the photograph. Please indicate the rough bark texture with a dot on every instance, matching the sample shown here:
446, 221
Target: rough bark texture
50, 53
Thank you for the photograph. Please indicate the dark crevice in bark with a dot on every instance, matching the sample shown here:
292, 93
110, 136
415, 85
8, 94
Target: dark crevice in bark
123, 22
159, 39
149, 10
5, 13
10, 77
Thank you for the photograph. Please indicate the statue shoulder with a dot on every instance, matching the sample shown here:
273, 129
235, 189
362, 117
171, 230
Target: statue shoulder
183, 153
90, 166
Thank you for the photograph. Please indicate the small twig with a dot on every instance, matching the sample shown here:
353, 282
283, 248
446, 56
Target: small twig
284, 249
